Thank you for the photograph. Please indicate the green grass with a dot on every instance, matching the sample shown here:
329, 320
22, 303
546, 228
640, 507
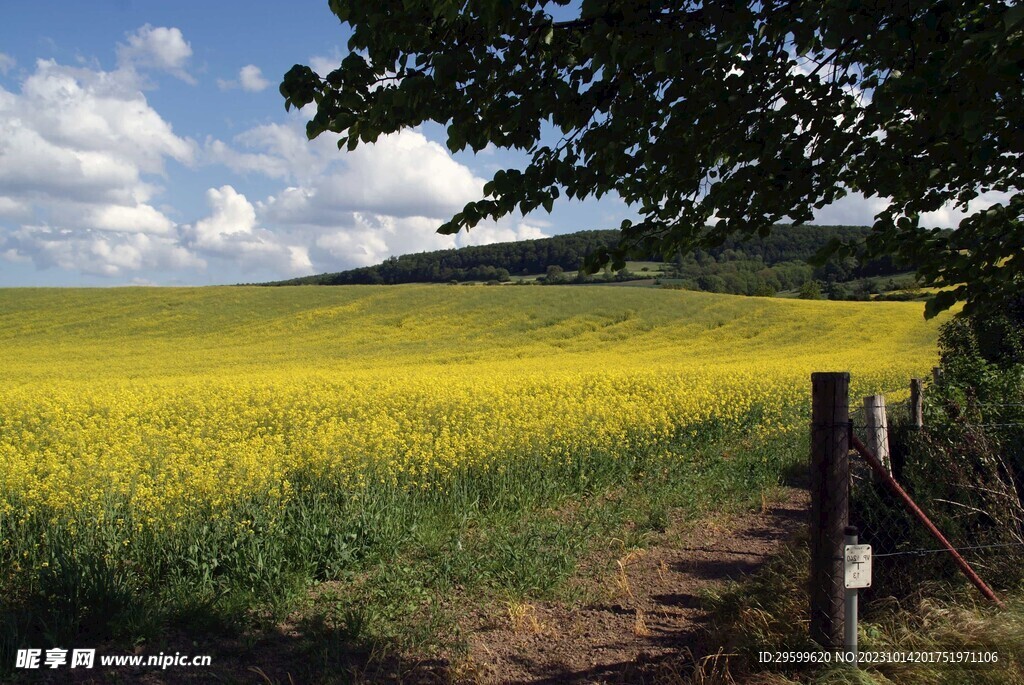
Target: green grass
769, 613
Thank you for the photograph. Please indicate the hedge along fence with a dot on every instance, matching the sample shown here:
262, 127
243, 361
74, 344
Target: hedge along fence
971, 495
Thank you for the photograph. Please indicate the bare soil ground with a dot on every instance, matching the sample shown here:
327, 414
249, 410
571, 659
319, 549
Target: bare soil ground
652, 610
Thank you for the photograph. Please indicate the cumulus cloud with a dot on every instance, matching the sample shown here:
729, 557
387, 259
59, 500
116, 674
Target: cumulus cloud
95, 252
279, 151
366, 239
84, 134
852, 210
250, 79
352, 246
363, 239
487, 233
232, 216
231, 232
402, 175
77, 150
857, 210
6, 63
138, 219
950, 215
11, 208
324, 65
161, 48
358, 208
216, 151
83, 154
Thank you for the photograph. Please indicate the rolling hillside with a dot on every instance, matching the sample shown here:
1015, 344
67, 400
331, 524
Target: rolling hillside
149, 333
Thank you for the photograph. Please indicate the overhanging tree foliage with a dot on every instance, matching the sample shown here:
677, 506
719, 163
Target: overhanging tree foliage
734, 113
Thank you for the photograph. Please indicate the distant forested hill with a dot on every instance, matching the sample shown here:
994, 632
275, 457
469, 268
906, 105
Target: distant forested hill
476, 263
751, 266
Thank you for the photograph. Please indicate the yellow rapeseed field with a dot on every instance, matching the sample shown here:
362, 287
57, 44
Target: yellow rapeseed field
166, 451
173, 401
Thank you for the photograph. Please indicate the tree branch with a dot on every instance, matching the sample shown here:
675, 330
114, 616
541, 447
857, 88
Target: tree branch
614, 18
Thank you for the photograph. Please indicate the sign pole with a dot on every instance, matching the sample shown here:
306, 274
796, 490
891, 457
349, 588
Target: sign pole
850, 624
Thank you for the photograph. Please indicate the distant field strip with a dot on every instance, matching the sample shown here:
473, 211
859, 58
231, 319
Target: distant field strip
170, 402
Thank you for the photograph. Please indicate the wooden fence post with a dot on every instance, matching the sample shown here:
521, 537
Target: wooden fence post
830, 484
916, 403
878, 430
936, 374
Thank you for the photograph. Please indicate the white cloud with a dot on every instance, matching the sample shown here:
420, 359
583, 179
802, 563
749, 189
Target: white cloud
250, 79
299, 262
404, 174
12, 255
82, 154
96, 253
366, 239
857, 210
14, 209
76, 149
361, 239
487, 233
358, 208
282, 151
138, 219
84, 134
232, 215
950, 216
852, 210
6, 63
324, 65
161, 48
216, 151
231, 232
401, 175
351, 247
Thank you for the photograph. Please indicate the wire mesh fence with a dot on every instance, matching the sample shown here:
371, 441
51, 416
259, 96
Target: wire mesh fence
961, 477
941, 503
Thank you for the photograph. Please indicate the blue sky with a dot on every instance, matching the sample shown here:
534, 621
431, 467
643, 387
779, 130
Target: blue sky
145, 142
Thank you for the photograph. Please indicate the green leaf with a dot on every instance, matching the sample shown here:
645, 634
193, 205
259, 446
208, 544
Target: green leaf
451, 227
939, 303
456, 141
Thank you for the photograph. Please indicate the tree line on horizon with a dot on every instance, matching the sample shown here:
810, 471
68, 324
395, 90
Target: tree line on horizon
784, 260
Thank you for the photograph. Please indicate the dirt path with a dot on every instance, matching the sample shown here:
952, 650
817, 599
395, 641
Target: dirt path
652, 609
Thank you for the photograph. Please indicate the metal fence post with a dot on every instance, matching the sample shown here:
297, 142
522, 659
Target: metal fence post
830, 484
850, 622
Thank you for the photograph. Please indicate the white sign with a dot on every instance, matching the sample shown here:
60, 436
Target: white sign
857, 563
